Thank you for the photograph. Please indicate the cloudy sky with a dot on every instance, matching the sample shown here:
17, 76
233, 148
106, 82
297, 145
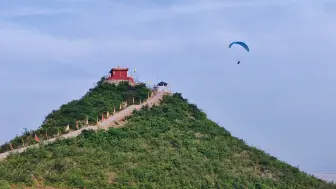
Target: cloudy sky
281, 98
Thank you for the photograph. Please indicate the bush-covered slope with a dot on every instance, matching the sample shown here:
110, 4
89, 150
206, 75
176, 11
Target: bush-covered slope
172, 145
100, 99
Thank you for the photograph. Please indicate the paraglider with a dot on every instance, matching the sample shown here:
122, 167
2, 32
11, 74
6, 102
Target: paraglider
241, 44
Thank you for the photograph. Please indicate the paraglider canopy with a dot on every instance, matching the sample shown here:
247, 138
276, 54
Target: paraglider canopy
241, 44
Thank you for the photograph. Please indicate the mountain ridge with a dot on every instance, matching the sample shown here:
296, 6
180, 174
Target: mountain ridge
171, 145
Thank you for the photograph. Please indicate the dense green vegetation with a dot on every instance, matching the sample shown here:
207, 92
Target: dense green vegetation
100, 99
173, 145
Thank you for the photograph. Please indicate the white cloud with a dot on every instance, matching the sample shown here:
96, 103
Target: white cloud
19, 43
210, 27
122, 13
30, 43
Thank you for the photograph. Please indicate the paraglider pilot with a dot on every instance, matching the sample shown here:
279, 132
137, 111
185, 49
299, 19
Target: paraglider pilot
241, 44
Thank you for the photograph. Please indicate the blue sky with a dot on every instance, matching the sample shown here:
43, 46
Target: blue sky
280, 98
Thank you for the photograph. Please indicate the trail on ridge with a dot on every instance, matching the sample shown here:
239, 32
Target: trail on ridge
109, 122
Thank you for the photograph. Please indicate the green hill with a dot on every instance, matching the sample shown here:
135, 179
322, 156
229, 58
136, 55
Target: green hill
102, 98
172, 145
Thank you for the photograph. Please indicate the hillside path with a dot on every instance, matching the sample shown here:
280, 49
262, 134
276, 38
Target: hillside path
109, 122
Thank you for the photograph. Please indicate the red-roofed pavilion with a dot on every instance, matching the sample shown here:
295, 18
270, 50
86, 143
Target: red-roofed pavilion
118, 74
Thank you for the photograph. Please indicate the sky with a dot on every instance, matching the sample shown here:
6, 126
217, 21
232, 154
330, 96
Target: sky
280, 98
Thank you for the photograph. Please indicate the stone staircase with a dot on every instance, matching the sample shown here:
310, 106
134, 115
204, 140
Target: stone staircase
109, 122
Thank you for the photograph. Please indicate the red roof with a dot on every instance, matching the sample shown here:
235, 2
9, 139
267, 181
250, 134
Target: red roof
119, 69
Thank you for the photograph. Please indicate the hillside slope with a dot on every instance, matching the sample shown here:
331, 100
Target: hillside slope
100, 99
117, 119
173, 145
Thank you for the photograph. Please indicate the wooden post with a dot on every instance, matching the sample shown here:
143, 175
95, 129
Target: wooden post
87, 120
28, 140
10, 145
23, 143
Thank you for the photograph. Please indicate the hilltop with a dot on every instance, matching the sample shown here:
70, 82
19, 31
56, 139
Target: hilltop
172, 145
